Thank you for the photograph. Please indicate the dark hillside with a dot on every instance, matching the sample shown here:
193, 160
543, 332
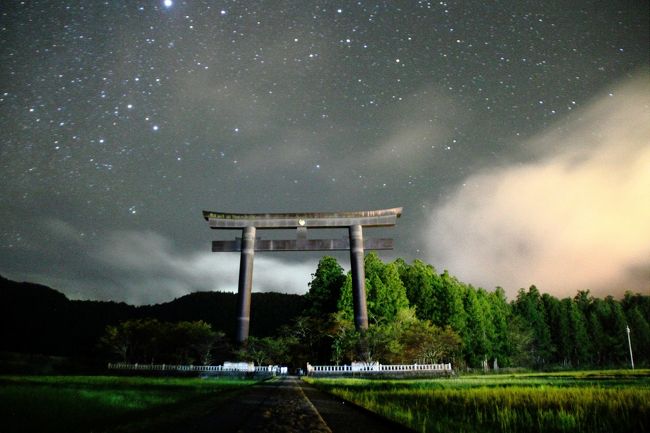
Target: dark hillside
269, 311
38, 319
30, 316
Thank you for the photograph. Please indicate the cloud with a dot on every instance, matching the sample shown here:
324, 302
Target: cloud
416, 130
575, 219
148, 269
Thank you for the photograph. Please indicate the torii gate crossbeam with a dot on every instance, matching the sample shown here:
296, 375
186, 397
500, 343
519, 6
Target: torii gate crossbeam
248, 244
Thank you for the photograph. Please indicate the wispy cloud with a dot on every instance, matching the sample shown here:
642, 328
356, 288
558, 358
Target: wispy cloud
577, 218
149, 269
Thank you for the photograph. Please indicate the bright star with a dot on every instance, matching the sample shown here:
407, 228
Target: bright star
168, 3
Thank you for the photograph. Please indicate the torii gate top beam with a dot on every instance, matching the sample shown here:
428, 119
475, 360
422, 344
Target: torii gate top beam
375, 218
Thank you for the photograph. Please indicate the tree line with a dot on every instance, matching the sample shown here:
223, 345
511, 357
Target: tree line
418, 315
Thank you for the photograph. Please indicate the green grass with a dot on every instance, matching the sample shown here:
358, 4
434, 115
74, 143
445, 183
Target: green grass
99, 403
586, 401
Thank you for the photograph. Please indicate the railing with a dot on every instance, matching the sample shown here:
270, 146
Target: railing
377, 368
272, 369
355, 367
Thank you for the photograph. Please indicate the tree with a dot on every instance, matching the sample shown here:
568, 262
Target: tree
424, 343
530, 308
599, 339
639, 335
519, 343
189, 342
558, 328
476, 343
310, 339
151, 341
325, 287
389, 292
116, 341
265, 350
418, 282
578, 325
344, 339
616, 324
501, 315
385, 293
450, 293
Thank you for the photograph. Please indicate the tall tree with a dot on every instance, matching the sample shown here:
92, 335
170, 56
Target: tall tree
558, 329
639, 335
476, 342
418, 281
501, 315
580, 353
325, 287
385, 293
598, 313
188, 342
530, 308
450, 293
616, 324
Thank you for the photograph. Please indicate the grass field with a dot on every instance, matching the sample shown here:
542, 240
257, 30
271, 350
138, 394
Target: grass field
102, 403
596, 401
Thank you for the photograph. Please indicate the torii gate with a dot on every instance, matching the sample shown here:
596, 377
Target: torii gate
248, 244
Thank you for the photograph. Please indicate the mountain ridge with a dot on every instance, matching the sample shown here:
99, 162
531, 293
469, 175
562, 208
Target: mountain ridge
35, 318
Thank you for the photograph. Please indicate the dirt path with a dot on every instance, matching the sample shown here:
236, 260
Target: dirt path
287, 405
342, 417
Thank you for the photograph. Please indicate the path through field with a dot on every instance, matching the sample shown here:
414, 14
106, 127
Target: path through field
288, 405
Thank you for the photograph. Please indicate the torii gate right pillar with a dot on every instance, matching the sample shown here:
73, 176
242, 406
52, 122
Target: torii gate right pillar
358, 278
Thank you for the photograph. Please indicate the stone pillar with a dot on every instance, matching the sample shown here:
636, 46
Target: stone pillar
358, 278
245, 284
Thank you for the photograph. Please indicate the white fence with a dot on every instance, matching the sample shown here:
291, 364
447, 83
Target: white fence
248, 367
227, 368
363, 367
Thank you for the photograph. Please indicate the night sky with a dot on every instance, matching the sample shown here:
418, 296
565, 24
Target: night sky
515, 134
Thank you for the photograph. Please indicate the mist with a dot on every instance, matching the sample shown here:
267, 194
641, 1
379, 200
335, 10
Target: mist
575, 216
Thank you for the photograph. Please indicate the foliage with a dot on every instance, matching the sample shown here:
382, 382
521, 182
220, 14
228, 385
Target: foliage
149, 341
385, 292
405, 340
406, 303
265, 351
324, 288
534, 330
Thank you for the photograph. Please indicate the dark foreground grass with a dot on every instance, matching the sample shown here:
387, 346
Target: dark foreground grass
104, 403
608, 401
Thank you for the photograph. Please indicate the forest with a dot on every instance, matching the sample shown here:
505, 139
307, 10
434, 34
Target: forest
419, 315
416, 315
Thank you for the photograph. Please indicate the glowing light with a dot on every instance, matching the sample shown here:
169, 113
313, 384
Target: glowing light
168, 3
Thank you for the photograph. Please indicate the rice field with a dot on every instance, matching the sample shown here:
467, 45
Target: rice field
596, 401
102, 403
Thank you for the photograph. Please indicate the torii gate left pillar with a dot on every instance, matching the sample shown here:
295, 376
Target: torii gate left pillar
248, 244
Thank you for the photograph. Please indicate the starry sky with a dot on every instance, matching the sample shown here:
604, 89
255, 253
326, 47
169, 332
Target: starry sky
515, 134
